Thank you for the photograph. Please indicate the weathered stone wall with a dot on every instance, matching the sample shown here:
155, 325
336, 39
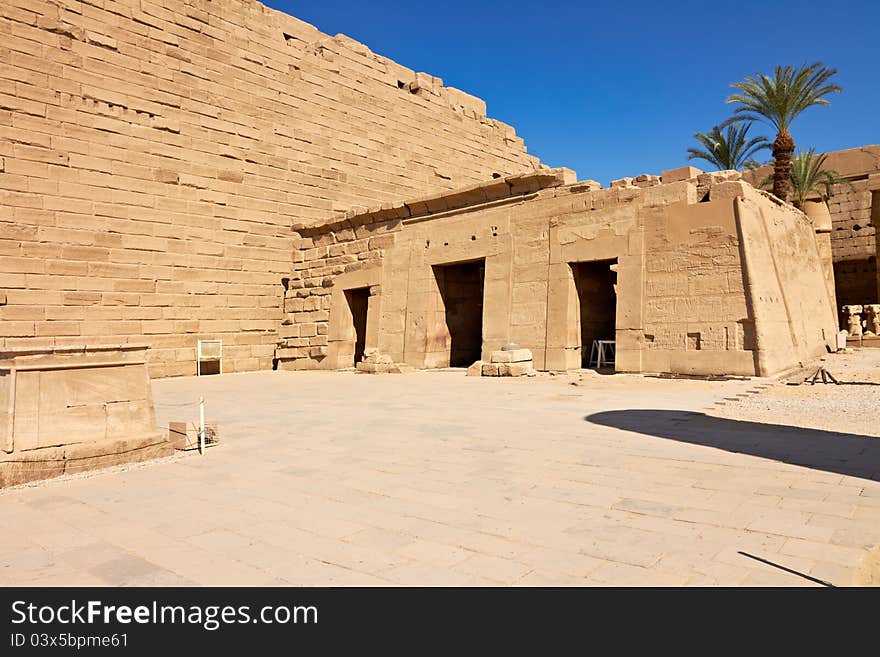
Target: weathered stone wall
154, 155
791, 305
854, 209
697, 318
712, 276
854, 234
68, 409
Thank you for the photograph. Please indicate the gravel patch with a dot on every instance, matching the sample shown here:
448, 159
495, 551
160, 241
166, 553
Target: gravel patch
851, 407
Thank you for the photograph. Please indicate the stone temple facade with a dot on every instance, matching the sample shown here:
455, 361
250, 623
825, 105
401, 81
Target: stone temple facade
155, 157
174, 171
690, 273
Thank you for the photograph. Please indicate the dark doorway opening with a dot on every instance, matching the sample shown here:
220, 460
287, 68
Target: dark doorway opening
461, 291
855, 283
595, 284
358, 299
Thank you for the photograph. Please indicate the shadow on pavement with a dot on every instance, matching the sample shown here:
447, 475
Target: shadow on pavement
842, 453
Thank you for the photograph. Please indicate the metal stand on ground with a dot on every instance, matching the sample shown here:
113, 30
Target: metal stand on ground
602, 352
825, 375
202, 426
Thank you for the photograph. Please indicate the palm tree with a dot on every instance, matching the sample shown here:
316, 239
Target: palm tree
810, 178
730, 150
778, 100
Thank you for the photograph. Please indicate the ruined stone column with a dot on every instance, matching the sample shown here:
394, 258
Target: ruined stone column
854, 319
872, 327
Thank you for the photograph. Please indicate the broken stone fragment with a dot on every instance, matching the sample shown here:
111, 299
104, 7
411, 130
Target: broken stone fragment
476, 369
515, 369
379, 364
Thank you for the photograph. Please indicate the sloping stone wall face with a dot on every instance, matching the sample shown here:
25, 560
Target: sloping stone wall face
855, 212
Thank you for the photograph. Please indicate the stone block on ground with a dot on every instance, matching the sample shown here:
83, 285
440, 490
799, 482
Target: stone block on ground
516, 369
514, 356
377, 363
67, 409
506, 368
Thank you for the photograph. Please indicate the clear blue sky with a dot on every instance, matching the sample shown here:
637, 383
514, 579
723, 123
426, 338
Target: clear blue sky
618, 89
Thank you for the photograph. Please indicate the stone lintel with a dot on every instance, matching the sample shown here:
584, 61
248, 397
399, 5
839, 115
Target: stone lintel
493, 190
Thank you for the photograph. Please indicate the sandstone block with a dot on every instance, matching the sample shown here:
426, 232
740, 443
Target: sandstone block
515, 369
78, 407
728, 189
383, 368
679, 174
514, 356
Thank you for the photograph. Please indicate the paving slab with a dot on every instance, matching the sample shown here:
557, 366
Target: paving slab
436, 478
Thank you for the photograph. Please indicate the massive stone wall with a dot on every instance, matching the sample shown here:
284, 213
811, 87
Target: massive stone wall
154, 155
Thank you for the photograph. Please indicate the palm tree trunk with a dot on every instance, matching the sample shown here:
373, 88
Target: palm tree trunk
783, 147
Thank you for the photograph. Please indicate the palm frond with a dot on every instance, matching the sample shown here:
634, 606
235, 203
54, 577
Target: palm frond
728, 146
779, 99
810, 177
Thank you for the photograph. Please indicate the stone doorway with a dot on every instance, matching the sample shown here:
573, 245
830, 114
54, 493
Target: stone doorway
358, 300
461, 295
596, 284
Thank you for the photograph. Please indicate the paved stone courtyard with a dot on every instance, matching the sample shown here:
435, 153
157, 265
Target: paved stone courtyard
433, 478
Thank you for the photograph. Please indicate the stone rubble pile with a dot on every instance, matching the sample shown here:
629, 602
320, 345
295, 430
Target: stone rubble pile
374, 362
505, 362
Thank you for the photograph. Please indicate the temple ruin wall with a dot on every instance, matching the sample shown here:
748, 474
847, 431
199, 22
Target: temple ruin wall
855, 213
712, 276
